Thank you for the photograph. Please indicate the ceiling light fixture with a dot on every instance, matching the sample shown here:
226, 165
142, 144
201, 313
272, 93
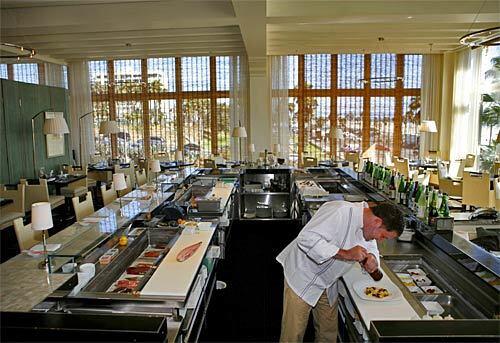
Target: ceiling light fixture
24, 52
485, 37
409, 17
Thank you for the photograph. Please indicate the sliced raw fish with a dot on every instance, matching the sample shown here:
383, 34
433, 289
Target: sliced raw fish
187, 252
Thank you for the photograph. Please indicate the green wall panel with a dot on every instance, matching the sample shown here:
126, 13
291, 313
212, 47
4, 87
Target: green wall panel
21, 101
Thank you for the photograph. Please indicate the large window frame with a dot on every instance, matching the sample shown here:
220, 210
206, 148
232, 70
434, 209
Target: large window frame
302, 92
145, 96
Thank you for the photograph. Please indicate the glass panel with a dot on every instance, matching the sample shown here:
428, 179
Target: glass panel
128, 76
412, 71
130, 137
410, 134
383, 71
161, 75
65, 76
350, 69
101, 113
26, 72
195, 73
382, 126
98, 74
317, 70
3, 71
293, 72
350, 120
223, 125
223, 64
293, 115
197, 139
163, 127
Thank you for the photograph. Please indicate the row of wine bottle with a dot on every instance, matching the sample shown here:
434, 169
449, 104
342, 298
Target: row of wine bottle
428, 203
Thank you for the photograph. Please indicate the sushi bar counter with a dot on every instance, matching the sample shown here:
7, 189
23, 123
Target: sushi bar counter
438, 286
141, 272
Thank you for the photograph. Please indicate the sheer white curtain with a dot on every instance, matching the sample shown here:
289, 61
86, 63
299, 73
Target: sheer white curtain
80, 102
54, 75
466, 103
432, 84
238, 92
279, 103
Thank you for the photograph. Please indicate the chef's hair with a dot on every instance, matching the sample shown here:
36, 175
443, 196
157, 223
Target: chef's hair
391, 216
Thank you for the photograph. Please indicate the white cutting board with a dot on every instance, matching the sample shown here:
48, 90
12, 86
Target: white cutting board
374, 310
173, 278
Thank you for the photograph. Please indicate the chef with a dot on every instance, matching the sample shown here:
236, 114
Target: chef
338, 235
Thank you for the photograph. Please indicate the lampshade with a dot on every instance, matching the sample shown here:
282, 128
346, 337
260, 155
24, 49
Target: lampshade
251, 147
178, 155
239, 131
108, 127
41, 216
338, 134
56, 126
119, 181
154, 166
428, 126
276, 148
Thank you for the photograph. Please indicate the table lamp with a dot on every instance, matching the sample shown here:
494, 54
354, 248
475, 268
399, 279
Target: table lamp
154, 166
108, 127
41, 220
239, 132
427, 126
251, 150
178, 156
120, 184
338, 134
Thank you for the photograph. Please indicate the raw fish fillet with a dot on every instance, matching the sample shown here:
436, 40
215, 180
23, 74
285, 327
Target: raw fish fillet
187, 252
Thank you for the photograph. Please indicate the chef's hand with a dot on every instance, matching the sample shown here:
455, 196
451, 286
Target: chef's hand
370, 263
357, 253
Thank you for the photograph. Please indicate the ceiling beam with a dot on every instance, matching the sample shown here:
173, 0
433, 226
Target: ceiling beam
251, 17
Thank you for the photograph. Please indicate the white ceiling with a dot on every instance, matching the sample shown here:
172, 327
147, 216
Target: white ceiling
68, 30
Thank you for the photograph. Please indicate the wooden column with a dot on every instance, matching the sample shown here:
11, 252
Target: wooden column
398, 112
10, 71
112, 105
178, 99
41, 74
213, 105
145, 108
333, 105
366, 103
301, 103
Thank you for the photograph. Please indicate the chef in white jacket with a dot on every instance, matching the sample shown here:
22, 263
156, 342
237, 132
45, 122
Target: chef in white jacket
338, 235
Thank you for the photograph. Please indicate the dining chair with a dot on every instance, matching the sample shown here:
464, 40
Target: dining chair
208, 163
469, 160
353, 157
40, 193
84, 208
128, 171
141, 177
26, 237
456, 169
14, 210
108, 195
128, 189
477, 191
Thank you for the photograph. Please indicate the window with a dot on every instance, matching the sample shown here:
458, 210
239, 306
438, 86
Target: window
373, 99
3, 71
163, 105
26, 72
489, 116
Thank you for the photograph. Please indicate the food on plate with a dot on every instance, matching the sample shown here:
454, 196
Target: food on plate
422, 280
187, 252
431, 289
180, 221
377, 292
139, 269
160, 246
416, 271
152, 253
127, 283
122, 290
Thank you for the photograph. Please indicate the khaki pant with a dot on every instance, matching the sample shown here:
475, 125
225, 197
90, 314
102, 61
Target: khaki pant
296, 315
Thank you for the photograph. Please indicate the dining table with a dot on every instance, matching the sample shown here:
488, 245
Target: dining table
63, 181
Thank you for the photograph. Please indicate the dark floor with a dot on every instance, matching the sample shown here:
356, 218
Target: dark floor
249, 309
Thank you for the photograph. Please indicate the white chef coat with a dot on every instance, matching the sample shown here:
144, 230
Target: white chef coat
308, 261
